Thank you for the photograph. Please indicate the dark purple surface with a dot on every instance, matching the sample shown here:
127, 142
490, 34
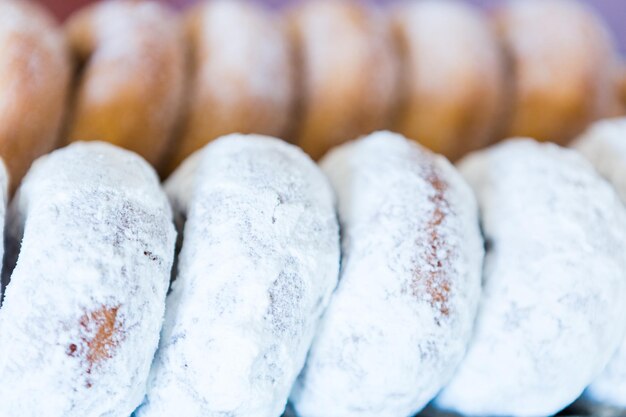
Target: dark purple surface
613, 11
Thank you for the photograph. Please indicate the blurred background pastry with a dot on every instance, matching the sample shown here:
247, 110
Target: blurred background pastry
241, 75
453, 76
34, 78
130, 62
562, 59
348, 70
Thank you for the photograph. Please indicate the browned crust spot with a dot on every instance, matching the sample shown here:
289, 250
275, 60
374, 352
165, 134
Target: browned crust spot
101, 334
435, 281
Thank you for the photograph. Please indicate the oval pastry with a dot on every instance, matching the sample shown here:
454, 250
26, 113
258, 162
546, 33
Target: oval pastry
399, 322
259, 260
563, 63
604, 145
453, 82
130, 85
241, 72
34, 84
82, 312
348, 72
551, 314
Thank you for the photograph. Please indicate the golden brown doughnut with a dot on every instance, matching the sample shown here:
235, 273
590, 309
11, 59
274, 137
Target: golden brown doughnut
130, 87
453, 76
348, 69
34, 79
242, 75
563, 60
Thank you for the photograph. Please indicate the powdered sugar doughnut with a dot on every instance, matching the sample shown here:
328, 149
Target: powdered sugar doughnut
604, 145
34, 79
242, 75
563, 60
348, 69
552, 311
453, 78
399, 321
82, 313
259, 260
130, 88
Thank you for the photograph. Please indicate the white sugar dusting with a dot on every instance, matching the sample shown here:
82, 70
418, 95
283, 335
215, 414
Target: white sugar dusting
135, 45
347, 53
604, 145
436, 28
258, 264
18, 18
33, 53
82, 313
552, 310
400, 319
242, 50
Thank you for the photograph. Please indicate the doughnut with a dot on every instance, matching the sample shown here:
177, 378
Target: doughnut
453, 80
399, 322
34, 84
348, 72
130, 84
242, 75
604, 145
551, 313
562, 58
259, 261
84, 306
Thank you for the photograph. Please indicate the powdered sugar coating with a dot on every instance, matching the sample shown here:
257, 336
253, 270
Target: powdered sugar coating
604, 145
82, 313
259, 261
400, 319
552, 309
256, 56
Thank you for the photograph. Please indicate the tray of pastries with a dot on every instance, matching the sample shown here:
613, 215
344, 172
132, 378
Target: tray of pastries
335, 209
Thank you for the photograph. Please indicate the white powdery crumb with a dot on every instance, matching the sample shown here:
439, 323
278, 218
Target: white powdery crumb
552, 311
400, 319
256, 61
259, 261
82, 313
604, 145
